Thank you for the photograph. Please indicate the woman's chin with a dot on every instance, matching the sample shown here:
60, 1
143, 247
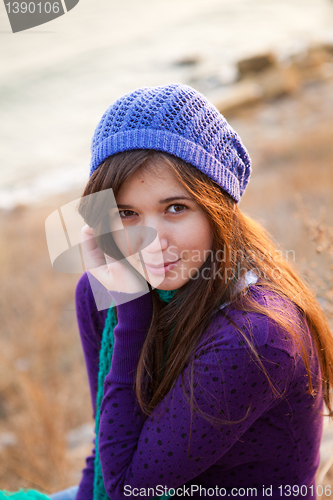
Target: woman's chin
168, 283
160, 278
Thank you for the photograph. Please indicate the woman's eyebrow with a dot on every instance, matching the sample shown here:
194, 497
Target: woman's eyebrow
166, 200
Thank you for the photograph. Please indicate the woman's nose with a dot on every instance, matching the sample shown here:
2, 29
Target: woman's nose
159, 244
161, 240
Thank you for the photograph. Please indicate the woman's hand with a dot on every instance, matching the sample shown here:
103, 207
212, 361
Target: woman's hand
114, 275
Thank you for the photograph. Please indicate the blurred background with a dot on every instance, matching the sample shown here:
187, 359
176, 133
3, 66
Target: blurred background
268, 67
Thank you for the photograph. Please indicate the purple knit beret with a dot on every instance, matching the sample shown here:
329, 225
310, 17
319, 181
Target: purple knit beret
178, 120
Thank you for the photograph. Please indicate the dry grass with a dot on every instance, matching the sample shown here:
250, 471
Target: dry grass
321, 236
44, 391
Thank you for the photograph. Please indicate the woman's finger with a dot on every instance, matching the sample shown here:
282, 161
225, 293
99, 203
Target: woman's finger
92, 254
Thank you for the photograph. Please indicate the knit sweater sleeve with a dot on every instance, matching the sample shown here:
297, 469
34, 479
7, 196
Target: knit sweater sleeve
90, 324
137, 452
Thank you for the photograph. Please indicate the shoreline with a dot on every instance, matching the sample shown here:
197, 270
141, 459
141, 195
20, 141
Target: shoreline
259, 81
262, 85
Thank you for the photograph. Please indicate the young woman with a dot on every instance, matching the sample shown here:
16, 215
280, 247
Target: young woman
209, 371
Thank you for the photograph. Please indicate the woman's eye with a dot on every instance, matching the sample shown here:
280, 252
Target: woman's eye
177, 206
127, 212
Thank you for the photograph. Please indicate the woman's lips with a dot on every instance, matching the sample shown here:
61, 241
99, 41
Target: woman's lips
160, 271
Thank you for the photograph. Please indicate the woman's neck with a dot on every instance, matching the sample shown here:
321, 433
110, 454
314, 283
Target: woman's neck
166, 295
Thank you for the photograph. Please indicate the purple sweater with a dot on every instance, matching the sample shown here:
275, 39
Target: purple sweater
275, 444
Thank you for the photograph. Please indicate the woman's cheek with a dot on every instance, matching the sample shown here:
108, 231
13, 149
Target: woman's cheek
174, 274
184, 256
173, 255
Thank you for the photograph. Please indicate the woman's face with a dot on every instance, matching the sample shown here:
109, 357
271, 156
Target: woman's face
154, 198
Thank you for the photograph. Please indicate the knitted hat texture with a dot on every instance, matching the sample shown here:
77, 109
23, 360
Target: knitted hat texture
175, 119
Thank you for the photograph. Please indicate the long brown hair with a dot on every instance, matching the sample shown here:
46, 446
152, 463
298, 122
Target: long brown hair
246, 245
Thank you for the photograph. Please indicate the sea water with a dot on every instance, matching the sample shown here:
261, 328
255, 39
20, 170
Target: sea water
56, 80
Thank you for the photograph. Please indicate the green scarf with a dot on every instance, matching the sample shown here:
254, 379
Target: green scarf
23, 494
105, 357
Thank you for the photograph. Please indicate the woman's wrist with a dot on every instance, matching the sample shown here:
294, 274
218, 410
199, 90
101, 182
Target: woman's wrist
124, 297
134, 318
133, 309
